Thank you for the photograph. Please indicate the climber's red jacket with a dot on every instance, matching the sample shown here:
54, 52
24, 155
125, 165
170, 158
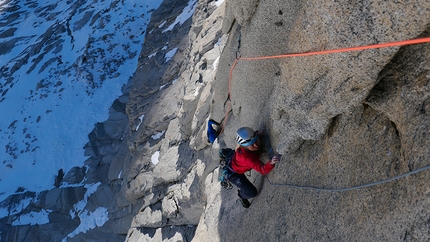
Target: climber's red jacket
245, 160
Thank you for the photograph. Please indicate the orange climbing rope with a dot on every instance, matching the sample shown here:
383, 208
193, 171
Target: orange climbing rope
365, 47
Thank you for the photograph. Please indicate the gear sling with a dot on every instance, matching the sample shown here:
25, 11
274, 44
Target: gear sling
225, 169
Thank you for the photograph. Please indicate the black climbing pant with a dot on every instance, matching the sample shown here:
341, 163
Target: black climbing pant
247, 189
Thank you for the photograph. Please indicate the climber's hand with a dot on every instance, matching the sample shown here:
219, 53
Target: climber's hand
275, 159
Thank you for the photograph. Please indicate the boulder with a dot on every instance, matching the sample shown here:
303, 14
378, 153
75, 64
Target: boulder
148, 218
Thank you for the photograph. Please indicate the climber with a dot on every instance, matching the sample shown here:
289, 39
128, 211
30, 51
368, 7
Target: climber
245, 158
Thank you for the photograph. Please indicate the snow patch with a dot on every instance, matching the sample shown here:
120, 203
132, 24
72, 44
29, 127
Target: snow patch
33, 218
12, 209
154, 157
196, 93
169, 55
218, 43
162, 24
163, 86
90, 220
184, 16
217, 3
80, 206
141, 120
215, 64
158, 135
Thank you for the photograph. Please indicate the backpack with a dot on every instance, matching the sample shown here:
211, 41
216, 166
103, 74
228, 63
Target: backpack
225, 169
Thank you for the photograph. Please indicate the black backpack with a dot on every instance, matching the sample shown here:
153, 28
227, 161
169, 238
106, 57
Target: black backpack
225, 169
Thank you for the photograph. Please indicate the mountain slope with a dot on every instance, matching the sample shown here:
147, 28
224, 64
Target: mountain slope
340, 120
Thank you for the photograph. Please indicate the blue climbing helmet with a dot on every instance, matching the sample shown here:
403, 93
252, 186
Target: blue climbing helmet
246, 136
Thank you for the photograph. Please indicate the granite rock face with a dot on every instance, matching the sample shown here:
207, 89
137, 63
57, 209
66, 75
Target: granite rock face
340, 120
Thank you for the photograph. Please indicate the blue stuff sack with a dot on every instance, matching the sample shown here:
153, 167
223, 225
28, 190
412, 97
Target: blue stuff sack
214, 129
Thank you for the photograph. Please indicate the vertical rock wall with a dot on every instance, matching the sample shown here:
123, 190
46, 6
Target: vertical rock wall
341, 120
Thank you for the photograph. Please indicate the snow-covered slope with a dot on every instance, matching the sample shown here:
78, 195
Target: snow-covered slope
62, 65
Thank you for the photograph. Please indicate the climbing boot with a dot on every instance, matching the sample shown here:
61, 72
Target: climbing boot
245, 202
